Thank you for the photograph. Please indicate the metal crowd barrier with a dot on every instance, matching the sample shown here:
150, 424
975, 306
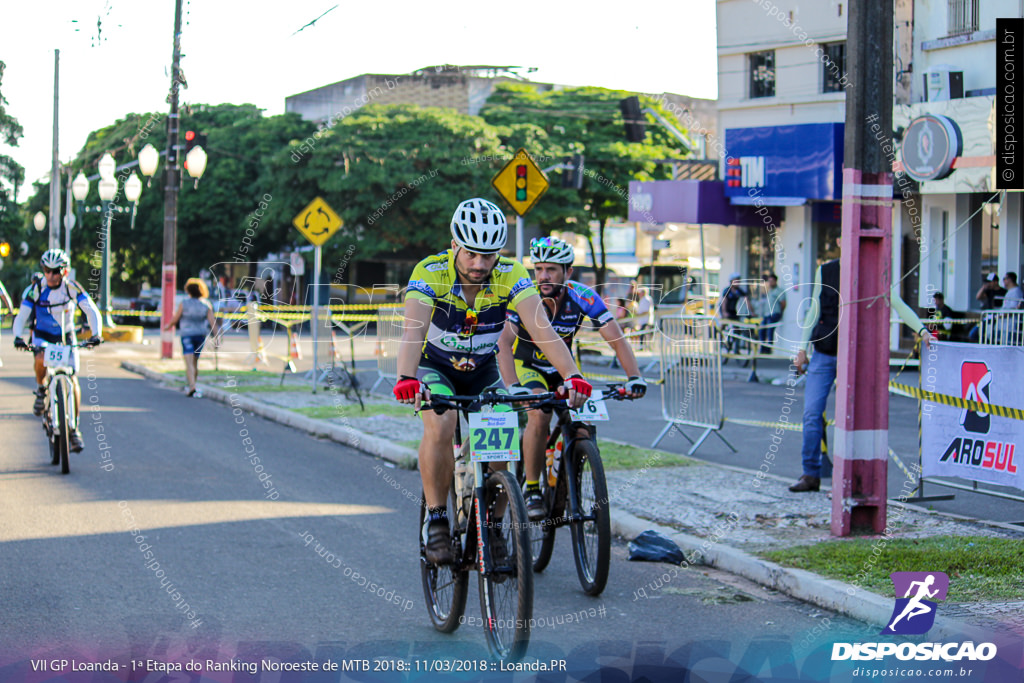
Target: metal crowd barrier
1004, 328
691, 371
389, 339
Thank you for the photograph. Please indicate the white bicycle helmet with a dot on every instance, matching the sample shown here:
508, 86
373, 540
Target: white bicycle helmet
551, 250
479, 225
54, 258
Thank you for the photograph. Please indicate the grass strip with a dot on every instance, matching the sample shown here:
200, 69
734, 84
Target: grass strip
616, 456
351, 410
979, 567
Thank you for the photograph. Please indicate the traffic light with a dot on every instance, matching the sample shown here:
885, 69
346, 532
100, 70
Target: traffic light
5, 249
194, 139
633, 118
573, 176
521, 182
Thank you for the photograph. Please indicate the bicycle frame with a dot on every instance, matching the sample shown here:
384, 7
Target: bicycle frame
57, 377
476, 549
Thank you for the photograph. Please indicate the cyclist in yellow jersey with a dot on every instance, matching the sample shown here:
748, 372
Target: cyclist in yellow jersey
455, 310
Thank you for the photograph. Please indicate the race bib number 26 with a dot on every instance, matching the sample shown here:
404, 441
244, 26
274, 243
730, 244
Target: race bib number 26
493, 437
594, 410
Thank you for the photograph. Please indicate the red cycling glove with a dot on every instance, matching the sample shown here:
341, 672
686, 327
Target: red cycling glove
406, 389
580, 385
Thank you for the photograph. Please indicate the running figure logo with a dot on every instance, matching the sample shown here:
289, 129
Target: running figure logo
914, 613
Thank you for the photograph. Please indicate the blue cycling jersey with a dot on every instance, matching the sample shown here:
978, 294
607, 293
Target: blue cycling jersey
576, 302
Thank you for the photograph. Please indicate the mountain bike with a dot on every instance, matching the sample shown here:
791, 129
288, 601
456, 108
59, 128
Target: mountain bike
575, 491
490, 533
60, 418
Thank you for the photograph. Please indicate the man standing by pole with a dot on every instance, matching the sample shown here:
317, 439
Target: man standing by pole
170, 265
862, 401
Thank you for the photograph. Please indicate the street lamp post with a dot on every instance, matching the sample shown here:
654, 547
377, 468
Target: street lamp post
108, 191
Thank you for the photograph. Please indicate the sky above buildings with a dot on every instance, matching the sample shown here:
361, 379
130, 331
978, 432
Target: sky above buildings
115, 55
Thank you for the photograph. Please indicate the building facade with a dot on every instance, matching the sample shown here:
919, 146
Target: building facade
955, 224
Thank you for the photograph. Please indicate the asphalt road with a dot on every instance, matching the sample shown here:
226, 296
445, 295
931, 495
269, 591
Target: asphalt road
76, 583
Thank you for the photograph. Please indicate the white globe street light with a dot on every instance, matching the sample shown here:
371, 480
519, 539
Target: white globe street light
132, 188
107, 166
39, 221
108, 188
80, 187
149, 159
195, 163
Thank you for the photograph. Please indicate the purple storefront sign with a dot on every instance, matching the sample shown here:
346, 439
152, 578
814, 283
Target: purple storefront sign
692, 202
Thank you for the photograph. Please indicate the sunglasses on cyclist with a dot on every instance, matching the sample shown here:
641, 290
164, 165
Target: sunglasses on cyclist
52, 271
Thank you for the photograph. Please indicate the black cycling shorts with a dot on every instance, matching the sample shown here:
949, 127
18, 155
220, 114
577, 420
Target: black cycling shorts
448, 381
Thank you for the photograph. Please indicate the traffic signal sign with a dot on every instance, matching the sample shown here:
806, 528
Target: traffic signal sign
5, 249
633, 118
520, 182
573, 176
194, 139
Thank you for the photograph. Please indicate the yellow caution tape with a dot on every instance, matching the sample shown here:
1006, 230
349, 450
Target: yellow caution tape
791, 426
957, 402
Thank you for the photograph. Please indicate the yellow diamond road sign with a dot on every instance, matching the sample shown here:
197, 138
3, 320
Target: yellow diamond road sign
317, 222
521, 182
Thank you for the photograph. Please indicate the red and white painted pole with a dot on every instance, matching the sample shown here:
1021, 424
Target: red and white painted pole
859, 489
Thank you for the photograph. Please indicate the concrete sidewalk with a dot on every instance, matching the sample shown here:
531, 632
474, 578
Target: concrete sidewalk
719, 515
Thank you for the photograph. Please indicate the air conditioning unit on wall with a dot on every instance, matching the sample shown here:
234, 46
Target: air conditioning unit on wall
943, 83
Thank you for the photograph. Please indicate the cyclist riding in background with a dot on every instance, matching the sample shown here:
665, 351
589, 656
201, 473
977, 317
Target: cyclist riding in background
734, 303
48, 307
566, 304
455, 310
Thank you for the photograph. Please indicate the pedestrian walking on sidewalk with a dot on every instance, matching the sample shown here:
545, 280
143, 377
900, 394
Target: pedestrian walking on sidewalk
197, 320
821, 327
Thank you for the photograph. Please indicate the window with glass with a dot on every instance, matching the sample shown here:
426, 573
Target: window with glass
762, 74
833, 67
962, 16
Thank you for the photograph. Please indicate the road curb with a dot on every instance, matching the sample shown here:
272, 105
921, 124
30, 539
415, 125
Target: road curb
348, 436
830, 594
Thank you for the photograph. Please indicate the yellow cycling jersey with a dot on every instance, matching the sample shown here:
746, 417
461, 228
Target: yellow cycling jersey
461, 336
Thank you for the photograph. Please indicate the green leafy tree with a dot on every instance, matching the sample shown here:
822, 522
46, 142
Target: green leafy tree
212, 218
583, 121
13, 228
394, 173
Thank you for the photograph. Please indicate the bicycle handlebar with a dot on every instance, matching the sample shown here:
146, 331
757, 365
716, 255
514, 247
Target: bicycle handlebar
78, 345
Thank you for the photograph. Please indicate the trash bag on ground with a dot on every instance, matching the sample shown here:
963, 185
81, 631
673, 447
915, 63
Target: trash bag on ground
650, 546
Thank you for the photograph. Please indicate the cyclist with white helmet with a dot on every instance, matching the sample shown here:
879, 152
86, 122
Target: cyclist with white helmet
48, 307
566, 304
455, 310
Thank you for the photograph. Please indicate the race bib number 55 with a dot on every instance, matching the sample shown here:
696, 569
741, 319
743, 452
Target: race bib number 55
493, 437
57, 356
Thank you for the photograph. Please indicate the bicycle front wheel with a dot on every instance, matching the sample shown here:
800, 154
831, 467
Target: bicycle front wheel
591, 536
506, 593
444, 587
62, 430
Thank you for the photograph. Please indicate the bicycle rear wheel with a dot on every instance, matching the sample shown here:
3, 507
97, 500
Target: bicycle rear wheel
506, 593
591, 539
62, 430
444, 587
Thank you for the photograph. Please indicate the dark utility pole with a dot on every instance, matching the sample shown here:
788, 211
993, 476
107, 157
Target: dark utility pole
862, 396
170, 265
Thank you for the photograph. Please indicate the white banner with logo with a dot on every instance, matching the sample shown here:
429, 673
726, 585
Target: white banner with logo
958, 441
